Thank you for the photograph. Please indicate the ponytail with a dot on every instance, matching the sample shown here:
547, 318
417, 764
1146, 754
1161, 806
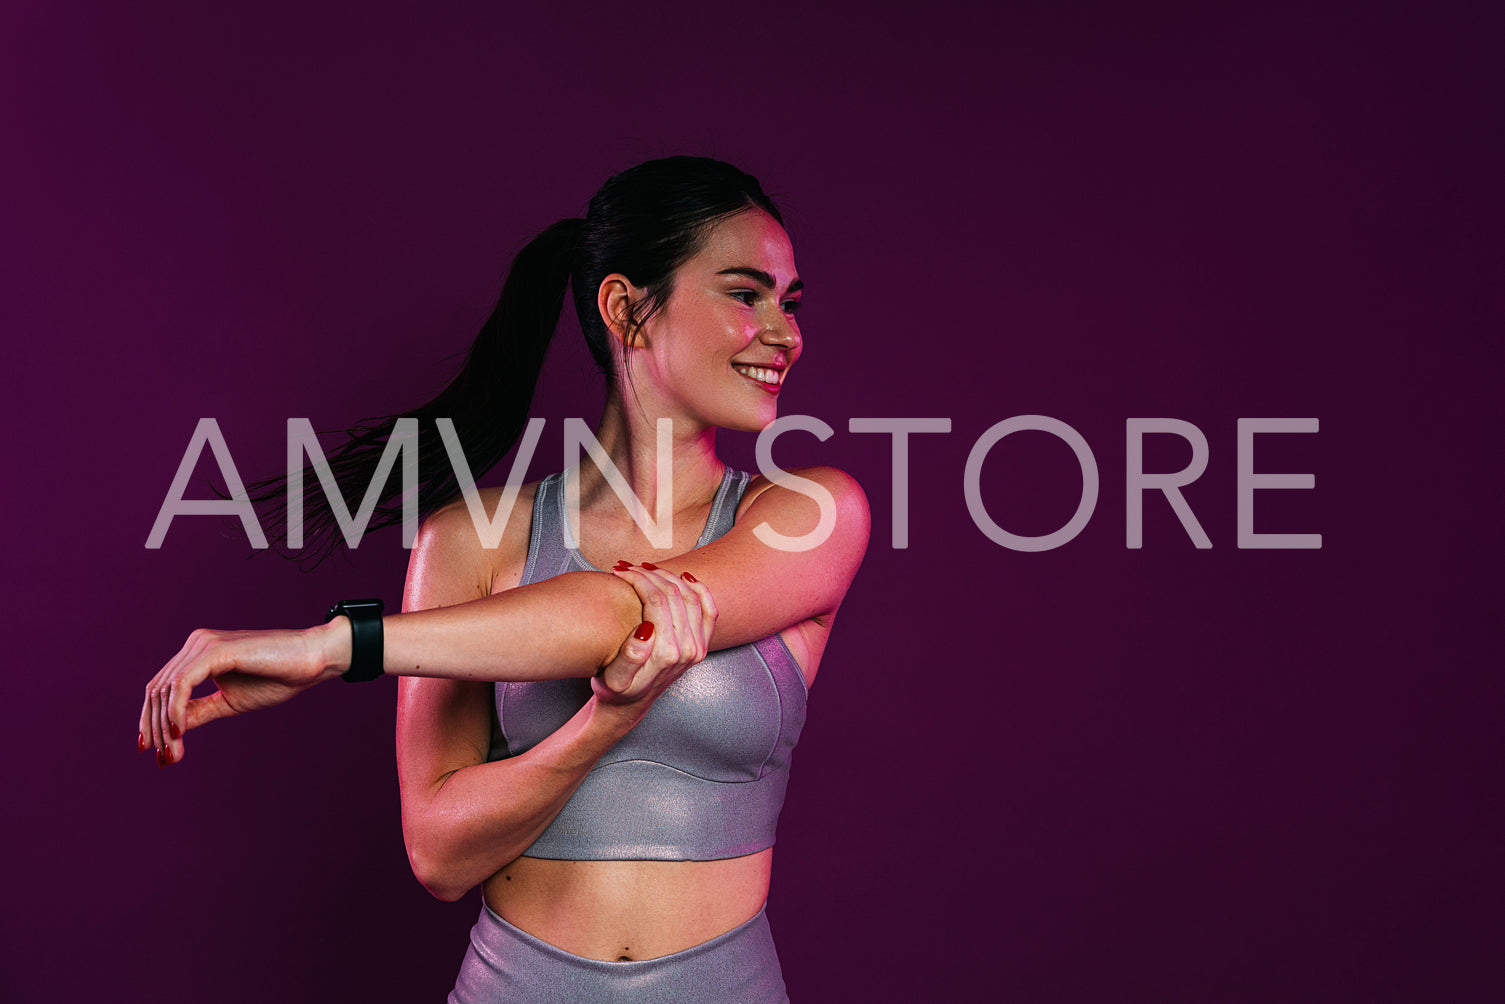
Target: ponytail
488, 400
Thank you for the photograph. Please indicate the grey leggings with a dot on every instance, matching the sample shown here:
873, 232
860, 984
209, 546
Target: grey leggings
507, 964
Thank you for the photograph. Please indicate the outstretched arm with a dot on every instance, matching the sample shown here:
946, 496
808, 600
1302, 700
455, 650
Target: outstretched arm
570, 625
550, 629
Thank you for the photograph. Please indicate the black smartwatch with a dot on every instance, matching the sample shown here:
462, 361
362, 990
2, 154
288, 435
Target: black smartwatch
365, 638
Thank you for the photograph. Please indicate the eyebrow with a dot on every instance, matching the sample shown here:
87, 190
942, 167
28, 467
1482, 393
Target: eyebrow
760, 276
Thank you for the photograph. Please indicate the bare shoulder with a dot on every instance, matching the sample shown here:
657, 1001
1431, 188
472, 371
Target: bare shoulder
801, 491
815, 516
460, 555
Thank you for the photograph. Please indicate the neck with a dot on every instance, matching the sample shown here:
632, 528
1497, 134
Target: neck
630, 437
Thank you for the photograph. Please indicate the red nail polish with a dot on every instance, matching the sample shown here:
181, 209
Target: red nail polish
621, 565
140, 741
160, 762
172, 726
650, 566
167, 754
644, 631
688, 577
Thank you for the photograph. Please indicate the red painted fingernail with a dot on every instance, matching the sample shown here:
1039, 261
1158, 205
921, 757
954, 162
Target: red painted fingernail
167, 754
688, 577
644, 631
140, 741
650, 566
172, 726
160, 761
621, 565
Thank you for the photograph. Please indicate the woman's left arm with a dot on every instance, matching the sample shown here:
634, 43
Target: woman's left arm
788, 559
550, 628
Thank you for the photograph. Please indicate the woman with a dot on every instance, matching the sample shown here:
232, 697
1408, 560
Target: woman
625, 844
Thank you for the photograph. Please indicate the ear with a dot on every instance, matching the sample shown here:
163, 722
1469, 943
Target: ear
615, 300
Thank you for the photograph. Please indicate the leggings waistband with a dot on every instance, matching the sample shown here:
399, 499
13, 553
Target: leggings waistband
506, 963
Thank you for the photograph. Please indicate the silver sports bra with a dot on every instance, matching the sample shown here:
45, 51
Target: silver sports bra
702, 776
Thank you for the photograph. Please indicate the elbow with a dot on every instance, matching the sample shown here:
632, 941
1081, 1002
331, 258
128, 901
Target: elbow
436, 874
434, 862
447, 893
450, 857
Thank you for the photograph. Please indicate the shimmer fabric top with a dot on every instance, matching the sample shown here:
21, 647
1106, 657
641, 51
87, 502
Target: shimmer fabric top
702, 776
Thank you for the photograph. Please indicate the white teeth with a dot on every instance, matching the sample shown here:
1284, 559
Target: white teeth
760, 374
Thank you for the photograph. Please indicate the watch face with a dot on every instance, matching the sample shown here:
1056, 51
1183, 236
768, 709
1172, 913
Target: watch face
355, 608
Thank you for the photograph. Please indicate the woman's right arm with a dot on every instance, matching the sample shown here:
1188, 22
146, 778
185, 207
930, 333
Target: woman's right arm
463, 818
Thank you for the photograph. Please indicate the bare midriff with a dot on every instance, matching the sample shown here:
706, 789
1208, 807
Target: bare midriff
629, 910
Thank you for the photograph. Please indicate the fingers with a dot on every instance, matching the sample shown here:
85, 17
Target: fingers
706, 606
620, 676
154, 725
655, 653
148, 735
172, 694
165, 712
691, 609
178, 698
700, 606
663, 605
203, 710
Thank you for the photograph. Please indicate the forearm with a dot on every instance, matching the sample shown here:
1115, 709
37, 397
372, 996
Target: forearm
569, 625
480, 818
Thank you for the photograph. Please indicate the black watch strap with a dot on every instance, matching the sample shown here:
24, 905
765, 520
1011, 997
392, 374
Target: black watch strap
365, 638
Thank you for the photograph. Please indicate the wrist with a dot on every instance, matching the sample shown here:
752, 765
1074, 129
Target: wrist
333, 644
366, 658
616, 718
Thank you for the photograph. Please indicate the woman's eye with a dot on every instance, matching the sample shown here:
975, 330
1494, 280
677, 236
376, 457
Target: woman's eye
790, 306
747, 296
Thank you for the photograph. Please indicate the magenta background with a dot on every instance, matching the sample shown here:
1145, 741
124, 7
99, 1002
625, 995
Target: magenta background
1088, 774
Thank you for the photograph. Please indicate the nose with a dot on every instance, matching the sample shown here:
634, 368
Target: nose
782, 332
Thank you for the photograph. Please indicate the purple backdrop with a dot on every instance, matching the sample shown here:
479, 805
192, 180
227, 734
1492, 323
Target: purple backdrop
1092, 773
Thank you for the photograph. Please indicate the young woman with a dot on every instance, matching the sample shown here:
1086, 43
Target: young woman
624, 843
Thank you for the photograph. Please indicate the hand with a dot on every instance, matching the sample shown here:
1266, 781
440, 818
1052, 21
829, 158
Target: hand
252, 669
679, 616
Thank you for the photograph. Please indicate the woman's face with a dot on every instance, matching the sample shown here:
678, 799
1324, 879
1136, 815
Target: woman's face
720, 348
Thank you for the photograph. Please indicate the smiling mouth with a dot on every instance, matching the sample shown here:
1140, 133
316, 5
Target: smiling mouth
769, 378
